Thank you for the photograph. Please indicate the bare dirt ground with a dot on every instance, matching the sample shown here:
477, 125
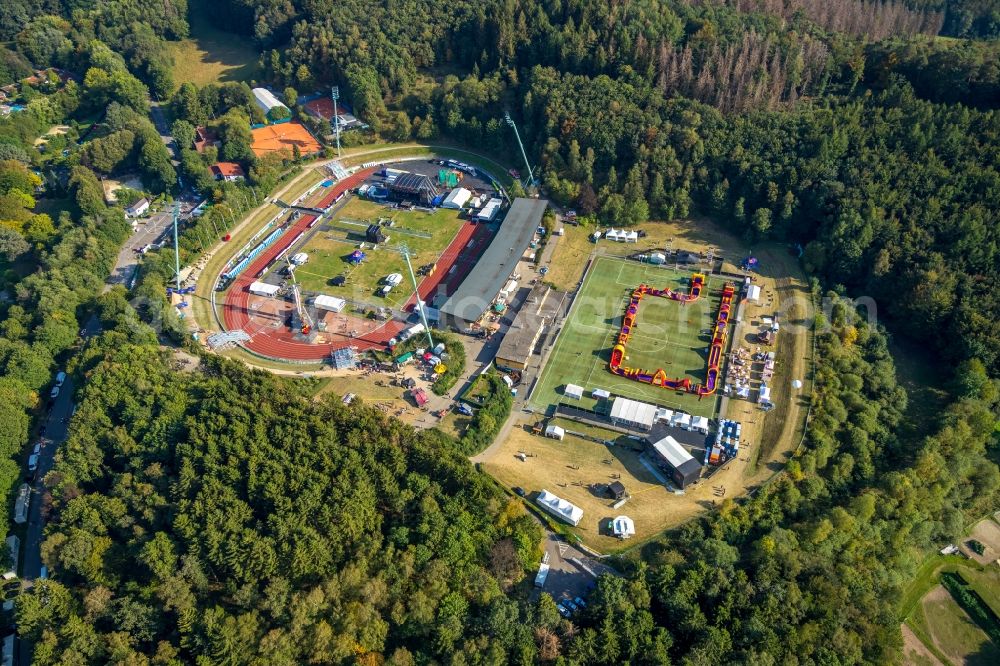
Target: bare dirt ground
569, 468
915, 653
986, 532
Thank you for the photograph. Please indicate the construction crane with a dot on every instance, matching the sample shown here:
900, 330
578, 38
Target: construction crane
305, 321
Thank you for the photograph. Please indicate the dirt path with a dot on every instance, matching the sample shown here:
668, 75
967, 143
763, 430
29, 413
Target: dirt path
915, 653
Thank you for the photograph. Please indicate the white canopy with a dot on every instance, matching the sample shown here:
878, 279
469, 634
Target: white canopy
611, 234
623, 527
264, 289
600, 394
657, 258
765, 394
753, 293
553, 431
632, 237
394, 279
682, 420
633, 412
560, 508
457, 198
699, 424
573, 391
331, 303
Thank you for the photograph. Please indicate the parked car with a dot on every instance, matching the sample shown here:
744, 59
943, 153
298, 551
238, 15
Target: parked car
38, 448
569, 604
43, 573
580, 602
60, 378
519, 491
32, 462
54, 393
563, 610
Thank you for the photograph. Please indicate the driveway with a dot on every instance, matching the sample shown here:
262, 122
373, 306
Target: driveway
572, 573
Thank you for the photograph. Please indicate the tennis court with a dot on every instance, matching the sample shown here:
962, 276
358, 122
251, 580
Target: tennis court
669, 334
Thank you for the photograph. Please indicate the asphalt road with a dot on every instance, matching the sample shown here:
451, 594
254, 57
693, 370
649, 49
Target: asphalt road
56, 425
148, 231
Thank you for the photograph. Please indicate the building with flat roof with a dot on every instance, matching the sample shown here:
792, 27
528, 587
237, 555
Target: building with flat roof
532, 321
497, 264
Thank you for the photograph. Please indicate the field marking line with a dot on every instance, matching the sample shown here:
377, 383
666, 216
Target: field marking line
604, 345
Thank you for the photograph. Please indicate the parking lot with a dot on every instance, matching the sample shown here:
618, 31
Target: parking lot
149, 231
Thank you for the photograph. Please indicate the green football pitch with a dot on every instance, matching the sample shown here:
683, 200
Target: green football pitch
669, 334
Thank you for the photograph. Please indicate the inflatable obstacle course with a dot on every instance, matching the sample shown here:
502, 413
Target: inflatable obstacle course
659, 377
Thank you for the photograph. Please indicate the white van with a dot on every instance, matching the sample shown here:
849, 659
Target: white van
384, 290
300, 258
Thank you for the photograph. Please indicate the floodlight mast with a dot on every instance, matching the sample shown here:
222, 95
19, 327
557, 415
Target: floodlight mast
404, 250
524, 154
335, 95
177, 252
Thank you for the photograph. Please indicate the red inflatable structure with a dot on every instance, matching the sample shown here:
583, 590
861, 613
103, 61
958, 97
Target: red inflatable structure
659, 378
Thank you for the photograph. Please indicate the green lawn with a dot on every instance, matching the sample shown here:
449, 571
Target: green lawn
211, 55
329, 249
669, 335
942, 624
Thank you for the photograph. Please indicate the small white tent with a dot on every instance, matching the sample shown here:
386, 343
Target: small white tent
554, 431
699, 424
331, 303
623, 527
264, 289
457, 198
573, 391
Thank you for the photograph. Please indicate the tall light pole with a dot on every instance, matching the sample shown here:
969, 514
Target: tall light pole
177, 251
404, 250
510, 121
335, 95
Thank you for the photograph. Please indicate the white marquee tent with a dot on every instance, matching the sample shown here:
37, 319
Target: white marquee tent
560, 508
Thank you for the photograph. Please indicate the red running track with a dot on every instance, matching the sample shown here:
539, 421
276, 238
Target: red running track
283, 343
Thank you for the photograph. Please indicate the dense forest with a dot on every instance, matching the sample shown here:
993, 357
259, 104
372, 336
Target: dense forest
223, 516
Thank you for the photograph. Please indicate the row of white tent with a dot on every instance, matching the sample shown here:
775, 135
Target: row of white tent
622, 236
682, 420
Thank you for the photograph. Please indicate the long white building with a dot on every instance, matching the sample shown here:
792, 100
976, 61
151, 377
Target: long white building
266, 100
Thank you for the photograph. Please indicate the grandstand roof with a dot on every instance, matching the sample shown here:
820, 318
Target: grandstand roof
493, 269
